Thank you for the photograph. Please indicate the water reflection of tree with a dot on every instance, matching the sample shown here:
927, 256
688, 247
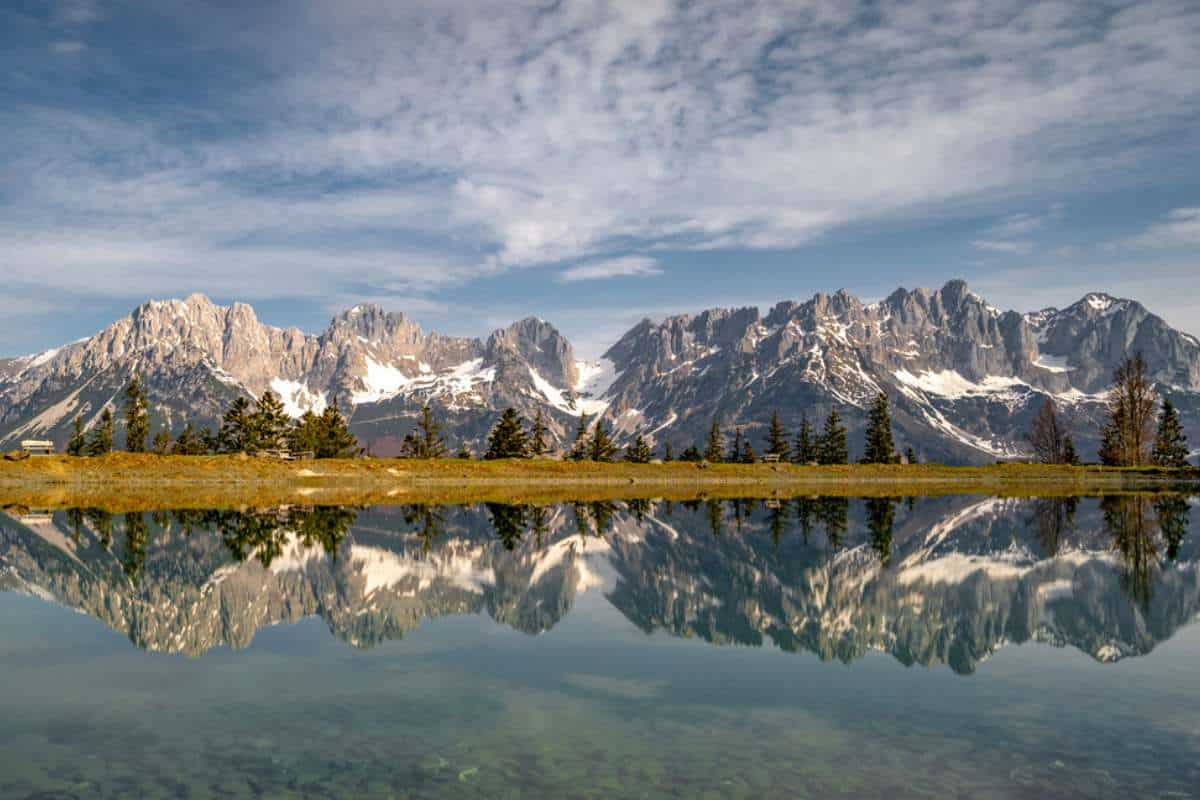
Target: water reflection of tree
1136, 523
833, 513
508, 521
137, 534
428, 521
1172, 512
881, 517
1052, 517
263, 533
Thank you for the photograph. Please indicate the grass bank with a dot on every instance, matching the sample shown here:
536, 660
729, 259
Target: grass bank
129, 481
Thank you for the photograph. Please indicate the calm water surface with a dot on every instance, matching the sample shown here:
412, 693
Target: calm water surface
812, 647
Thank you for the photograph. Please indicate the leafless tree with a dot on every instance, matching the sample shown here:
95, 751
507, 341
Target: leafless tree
1048, 436
1131, 404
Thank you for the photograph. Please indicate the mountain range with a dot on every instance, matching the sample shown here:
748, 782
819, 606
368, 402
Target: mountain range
964, 377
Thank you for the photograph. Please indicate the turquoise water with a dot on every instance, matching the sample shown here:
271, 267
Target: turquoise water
932, 647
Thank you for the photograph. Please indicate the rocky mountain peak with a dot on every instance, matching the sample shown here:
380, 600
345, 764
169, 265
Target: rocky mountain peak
539, 344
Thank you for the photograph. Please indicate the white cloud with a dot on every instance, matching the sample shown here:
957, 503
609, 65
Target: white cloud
512, 134
1180, 229
628, 267
1002, 246
67, 47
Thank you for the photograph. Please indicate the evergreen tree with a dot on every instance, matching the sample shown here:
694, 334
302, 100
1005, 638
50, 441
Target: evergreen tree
805, 451
777, 439
579, 448
537, 435
881, 449
507, 439
1170, 443
77, 445
189, 442
1070, 456
334, 439
464, 452
305, 433
137, 417
668, 453
429, 435
747, 455
716, 444
831, 449
691, 453
162, 442
735, 447
910, 455
236, 434
639, 451
101, 440
269, 423
601, 447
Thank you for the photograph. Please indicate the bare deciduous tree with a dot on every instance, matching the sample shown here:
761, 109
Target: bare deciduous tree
1048, 436
1131, 405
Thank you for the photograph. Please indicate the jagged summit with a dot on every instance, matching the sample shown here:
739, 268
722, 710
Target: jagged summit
964, 376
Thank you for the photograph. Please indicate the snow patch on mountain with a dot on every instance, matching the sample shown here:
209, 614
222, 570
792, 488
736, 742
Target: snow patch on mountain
381, 382
1052, 363
951, 384
297, 398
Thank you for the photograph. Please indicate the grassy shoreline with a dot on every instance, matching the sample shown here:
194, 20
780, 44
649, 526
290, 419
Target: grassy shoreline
130, 481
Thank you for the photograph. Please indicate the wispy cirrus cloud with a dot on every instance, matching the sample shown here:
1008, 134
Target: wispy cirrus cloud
628, 267
1181, 228
345, 148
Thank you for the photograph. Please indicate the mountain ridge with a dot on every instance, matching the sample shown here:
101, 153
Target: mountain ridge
964, 377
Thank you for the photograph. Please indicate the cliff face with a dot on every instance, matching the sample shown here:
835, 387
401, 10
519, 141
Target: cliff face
947, 582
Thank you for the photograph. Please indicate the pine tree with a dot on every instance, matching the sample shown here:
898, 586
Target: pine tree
77, 445
162, 442
668, 453
189, 442
881, 449
601, 447
334, 439
639, 451
1170, 443
507, 439
537, 435
270, 423
579, 448
735, 448
747, 455
691, 453
464, 452
429, 435
805, 451
236, 434
910, 455
831, 449
101, 440
777, 439
1070, 456
137, 417
304, 435
716, 444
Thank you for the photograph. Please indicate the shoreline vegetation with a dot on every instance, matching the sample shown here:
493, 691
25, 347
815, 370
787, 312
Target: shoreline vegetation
130, 481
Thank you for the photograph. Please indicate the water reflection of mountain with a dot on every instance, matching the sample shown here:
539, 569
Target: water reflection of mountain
939, 580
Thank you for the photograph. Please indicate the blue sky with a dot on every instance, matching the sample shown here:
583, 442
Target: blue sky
471, 162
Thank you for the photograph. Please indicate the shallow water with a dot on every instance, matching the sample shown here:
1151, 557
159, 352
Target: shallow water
921, 647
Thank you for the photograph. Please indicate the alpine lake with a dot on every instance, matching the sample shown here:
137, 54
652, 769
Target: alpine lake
790, 647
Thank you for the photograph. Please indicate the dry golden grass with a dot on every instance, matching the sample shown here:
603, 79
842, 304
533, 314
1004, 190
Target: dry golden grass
126, 481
